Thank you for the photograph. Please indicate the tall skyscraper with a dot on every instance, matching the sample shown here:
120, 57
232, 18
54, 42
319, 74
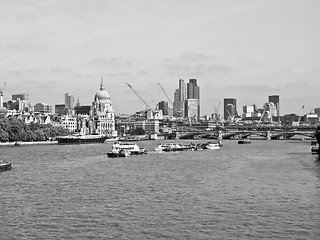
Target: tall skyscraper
229, 107
275, 99
69, 101
185, 97
179, 99
164, 107
193, 92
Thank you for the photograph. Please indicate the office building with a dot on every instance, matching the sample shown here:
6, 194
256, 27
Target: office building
193, 92
21, 96
42, 108
69, 101
271, 110
192, 109
164, 107
276, 101
229, 107
248, 111
179, 98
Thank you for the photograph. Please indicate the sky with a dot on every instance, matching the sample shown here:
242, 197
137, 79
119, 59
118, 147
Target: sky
247, 50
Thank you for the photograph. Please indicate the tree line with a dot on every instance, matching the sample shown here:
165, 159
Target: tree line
13, 129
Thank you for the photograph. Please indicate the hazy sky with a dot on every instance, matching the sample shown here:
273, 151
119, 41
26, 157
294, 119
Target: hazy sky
246, 49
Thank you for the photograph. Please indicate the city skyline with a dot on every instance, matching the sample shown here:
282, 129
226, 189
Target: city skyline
245, 50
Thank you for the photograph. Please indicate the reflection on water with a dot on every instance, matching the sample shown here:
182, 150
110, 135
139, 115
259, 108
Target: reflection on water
266, 189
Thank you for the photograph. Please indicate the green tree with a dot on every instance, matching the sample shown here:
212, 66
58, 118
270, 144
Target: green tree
4, 136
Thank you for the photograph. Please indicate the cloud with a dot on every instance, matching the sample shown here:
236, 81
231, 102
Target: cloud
201, 69
196, 64
114, 62
60, 70
196, 57
142, 73
210, 68
25, 71
22, 47
297, 85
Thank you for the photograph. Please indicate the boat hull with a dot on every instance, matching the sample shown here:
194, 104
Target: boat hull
5, 166
317, 136
82, 139
244, 141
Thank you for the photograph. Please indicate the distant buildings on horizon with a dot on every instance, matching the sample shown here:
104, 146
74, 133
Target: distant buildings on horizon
186, 105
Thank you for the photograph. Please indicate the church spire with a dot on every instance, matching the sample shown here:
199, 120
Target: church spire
101, 85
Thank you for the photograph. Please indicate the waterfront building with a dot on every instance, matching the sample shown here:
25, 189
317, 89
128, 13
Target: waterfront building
248, 111
103, 113
229, 107
42, 108
69, 123
192, 109
149, 126
276, 101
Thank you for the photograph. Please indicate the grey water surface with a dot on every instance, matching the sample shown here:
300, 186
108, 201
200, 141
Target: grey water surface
262, 190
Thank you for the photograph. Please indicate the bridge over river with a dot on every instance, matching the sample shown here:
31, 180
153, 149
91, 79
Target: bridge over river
268, 135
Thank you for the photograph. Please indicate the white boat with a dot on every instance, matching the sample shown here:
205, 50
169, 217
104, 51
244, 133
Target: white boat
213, 146
4, 165
244, 141
169, 147
124, 153
131, 147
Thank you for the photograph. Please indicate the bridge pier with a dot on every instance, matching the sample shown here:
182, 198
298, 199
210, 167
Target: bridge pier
178, 135
219, 135
268, 135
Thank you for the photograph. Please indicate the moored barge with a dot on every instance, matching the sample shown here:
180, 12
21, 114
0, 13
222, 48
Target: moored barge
4, 165
80, 139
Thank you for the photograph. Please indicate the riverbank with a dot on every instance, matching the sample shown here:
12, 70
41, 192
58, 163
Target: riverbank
20, 143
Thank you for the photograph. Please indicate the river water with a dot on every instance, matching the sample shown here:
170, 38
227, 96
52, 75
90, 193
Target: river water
266, 189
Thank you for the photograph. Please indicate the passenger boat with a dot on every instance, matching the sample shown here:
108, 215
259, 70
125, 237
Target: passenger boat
317, 136
124, 153
169, 147
4, 165
244, 141
132, 148
315, 149
80, 139
212, 146
113, 153
314, 142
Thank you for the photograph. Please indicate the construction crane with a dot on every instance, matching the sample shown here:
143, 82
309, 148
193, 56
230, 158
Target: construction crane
1, 89
262, 115
145, 103
231, 117
301, 112
1, 94
165, 94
